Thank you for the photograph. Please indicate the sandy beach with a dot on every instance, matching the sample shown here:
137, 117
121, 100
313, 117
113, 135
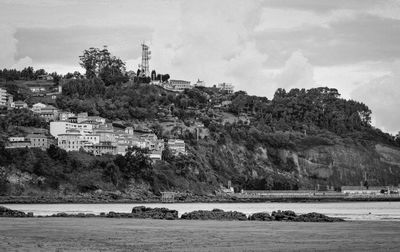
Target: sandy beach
102, 234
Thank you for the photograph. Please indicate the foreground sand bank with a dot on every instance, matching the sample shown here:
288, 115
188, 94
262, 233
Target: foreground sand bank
94, 234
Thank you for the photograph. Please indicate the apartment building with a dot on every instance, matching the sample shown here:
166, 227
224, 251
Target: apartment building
61, 127
74, 140
177, 146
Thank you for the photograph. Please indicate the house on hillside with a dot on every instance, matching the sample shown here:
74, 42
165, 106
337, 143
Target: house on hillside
48, 112
45, 77
19, 105
3, 97
225, 87
39, 141
61, 127
177, 146
180, 85
37, 107
200, 83
64, 115
18, 142
102, 148
30, 141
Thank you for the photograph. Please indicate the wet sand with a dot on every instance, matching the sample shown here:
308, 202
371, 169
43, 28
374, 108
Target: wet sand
102, 234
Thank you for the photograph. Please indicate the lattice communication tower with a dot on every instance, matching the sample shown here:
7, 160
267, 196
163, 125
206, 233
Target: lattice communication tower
146, 56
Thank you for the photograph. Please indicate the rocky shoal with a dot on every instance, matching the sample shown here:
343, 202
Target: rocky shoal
142, 212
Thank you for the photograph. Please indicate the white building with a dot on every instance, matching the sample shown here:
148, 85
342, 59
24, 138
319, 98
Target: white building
39, 141
362, 190
64, 115
74, 140
3, 97
200, 83
177, 146
61, 127
37, 107
19, 105
227, 87
91, 119
180, 85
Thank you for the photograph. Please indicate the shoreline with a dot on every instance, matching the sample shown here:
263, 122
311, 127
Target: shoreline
200, 199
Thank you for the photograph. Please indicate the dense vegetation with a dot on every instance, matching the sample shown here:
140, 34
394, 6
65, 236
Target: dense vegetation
247, 151
28, 73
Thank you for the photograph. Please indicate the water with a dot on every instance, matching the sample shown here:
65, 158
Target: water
363, 211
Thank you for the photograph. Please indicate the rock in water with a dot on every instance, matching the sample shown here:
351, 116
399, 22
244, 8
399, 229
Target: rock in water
292, 216
317, 217
216, 214
6, 212
286, 215
154, 213
264, 216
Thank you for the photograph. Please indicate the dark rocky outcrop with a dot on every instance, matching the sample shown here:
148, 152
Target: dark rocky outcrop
288, 215
6, 212
80, 215
154, 213
263, 216
317, 217
215, 214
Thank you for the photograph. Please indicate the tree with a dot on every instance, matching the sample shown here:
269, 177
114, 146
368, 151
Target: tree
27, 73
39, 72
112, 173
100, 63
135, 164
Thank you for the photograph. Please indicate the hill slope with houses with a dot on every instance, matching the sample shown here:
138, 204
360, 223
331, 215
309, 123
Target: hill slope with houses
134, 140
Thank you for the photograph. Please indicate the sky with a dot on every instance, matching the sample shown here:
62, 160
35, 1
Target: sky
257, 45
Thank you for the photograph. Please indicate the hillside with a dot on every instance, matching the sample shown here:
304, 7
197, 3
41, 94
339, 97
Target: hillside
297, 140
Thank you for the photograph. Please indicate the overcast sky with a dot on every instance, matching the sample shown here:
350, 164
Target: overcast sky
258, 46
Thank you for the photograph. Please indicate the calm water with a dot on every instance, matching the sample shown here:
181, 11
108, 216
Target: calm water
382, 211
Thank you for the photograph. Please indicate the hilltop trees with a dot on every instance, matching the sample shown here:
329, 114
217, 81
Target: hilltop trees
321, 107
101, 64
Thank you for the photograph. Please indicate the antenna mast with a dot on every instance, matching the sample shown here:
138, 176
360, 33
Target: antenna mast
146, 56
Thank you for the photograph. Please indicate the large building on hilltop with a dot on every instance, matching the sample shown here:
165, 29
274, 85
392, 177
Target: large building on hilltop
180, 85
227, 87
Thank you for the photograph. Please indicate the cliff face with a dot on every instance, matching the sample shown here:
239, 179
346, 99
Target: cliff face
347, 164
334, 165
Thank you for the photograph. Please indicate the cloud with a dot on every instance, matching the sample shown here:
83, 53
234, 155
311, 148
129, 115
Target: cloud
351, 40
214, 44
297, 72
322, 5
64, 45
9, 50
22, 63
381, 95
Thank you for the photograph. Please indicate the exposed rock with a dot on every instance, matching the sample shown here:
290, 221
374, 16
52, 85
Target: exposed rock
6, 212
317, 217
62, 214
154, 213
286, 215
216, 214
264, 216
292, 216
